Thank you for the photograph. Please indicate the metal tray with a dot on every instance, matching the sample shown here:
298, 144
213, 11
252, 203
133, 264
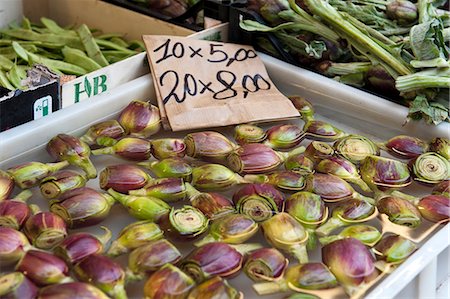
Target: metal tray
352, 112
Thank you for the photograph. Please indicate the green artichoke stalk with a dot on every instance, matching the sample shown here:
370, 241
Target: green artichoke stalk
69, 148
231, 229
128, 148
142, 207
140, 119
441, 146
308, 276
355, 148
400, 211
344, 169
285, 136
259, 201
285, 233
29, 174
405, 147
322, 131
367, 234
167, 189
247, 133
394, 248
308, 209
170, 168
168, 148
265, 264
168, 282
304, 107
135, 235
351, 263
215, 287
184, 223
382, 173
60, 182
150, 257
213, 177
430, 168
6, 185
108, 128
346, 213
208, 145
123, 178
16, 285
104, 273
283, 179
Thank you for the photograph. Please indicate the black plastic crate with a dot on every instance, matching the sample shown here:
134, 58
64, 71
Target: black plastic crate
180, 20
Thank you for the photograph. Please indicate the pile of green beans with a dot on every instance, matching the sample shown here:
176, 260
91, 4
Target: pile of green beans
66, 51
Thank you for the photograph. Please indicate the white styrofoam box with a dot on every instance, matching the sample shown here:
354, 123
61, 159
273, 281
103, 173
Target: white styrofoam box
378, 120
10, 10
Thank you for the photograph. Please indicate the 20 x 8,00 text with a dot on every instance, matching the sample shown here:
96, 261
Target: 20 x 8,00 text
189, 85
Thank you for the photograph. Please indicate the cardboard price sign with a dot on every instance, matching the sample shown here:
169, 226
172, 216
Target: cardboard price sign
203, 84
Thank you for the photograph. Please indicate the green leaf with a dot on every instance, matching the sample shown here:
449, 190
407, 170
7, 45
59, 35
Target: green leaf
432, 113
427, 40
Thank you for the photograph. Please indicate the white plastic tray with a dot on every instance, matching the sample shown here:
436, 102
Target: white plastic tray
374, 119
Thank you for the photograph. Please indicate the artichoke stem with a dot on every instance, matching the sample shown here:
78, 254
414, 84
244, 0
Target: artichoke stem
361, 184
116, 249
306, 117
86, 138
270, 287
331, 224
207, 239
106, 141
328, 239
105, 237
414, 200
23, 196
244, 248
119, 292
300, 253
191, 192
312, 239
130, 276
256, 178
54, 167
240, 179
147, 164
296, 151
103, 151
34, 209
122, 198
367, 199
138, 192
88, 167
66, 279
